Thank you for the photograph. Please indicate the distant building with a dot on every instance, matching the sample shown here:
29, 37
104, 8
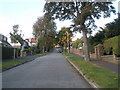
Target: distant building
17, 46
32, 41
3, 41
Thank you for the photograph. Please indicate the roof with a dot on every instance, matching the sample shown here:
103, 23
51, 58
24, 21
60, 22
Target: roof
32, 40
3, 41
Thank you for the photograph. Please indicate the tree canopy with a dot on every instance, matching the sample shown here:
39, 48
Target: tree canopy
65, 36
112, 29
45, 31
83, 15
16, 36
78, 43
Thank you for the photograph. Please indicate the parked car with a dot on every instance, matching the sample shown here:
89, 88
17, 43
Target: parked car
59, 50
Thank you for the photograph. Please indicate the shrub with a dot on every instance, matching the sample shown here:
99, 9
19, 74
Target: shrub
114, 44
17, 52
91, 48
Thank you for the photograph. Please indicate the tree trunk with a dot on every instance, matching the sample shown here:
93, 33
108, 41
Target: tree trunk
86, 49
43, 49
68, 47
14, 53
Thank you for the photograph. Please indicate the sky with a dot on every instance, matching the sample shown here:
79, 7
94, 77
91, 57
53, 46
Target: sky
25, 13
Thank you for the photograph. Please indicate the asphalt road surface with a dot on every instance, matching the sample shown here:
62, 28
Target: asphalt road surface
50, 71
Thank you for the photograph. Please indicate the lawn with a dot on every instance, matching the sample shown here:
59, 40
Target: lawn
12, 63
42, 54
102, 77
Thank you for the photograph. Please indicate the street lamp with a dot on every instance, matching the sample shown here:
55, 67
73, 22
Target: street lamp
68, 43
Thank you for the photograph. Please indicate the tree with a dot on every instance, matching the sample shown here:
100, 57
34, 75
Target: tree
78, 43
83, 15
65, 37
112, 29
98, 38
45, 31
16, 36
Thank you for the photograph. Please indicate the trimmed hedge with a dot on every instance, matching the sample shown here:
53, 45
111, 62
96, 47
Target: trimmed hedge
8, 52
112, 44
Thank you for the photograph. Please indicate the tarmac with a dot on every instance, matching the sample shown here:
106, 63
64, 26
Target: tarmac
49, 71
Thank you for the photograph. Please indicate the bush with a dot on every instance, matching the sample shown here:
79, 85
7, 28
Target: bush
17, 52
112, 44
91, 48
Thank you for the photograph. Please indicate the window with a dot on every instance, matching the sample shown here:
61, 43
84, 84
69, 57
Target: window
1, 36
5, 38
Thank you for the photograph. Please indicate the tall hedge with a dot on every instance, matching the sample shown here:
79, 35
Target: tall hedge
114, 44
7, 52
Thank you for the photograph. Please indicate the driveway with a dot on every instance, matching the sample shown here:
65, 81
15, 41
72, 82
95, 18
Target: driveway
50, 71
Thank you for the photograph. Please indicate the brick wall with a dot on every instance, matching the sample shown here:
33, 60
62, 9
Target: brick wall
76, 51
80, 52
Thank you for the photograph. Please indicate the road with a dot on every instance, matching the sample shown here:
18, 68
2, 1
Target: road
50, 71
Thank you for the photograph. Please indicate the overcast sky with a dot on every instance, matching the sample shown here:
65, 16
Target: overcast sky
25, 13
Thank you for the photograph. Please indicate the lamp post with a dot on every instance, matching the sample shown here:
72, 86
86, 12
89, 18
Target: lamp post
14, 51
68, 43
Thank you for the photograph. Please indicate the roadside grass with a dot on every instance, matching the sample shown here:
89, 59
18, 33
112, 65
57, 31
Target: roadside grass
42, 54
12, 63
9, 64
66, 54
101, 76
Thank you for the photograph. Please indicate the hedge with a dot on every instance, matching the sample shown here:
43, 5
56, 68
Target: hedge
8, 52
112, 44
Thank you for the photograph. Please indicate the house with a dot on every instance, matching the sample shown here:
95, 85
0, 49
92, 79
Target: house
3, 41
32, 41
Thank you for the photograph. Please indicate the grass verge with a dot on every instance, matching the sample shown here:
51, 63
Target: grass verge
102, 77
66, 54
42, 54
12, 63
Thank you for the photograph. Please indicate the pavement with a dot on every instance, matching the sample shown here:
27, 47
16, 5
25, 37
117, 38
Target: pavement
107, 65
50, 71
